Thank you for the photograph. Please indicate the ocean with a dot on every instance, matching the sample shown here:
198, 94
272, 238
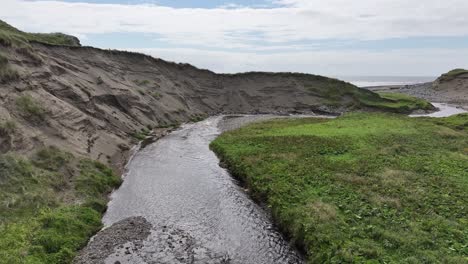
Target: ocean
366, 81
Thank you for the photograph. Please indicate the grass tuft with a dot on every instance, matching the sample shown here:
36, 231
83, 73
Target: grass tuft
30, 108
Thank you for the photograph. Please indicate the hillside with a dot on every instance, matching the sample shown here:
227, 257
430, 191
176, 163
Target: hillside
67, 111
90, 101
9, 35
450, 87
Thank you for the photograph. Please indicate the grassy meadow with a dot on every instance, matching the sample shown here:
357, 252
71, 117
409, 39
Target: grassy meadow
50, 205
361, 188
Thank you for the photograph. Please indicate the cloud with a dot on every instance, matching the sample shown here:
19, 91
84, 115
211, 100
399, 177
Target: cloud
293, 20
403, 62
288, 37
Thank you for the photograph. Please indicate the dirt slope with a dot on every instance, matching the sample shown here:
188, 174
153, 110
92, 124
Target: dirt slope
90, 100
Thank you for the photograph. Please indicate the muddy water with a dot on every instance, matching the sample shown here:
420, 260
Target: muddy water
198, 212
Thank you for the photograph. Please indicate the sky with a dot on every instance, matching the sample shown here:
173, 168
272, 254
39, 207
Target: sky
332, 37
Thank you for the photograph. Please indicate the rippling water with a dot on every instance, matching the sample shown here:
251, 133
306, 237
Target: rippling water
178, 186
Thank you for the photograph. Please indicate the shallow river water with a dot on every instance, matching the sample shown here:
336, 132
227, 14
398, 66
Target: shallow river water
178, 186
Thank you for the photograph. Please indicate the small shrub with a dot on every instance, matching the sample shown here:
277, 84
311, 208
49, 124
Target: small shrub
30, 108
99, 80
51, 158
140, 91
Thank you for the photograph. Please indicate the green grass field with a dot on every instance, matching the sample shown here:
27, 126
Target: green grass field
362, 188
50, 205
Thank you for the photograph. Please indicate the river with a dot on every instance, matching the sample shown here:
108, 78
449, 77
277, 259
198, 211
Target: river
178, 186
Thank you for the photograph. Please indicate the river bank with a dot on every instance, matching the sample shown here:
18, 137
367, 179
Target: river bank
361, 187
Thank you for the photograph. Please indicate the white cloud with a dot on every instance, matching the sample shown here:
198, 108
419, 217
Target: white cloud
406, 62
295, 20
247, 30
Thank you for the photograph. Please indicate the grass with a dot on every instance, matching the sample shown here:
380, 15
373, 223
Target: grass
142, 134
400, 103
30, 108
337, 93
362, 188
452, 74
10, 36
7, 74
50, 205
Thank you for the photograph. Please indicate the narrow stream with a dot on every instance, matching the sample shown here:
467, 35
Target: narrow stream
178, 186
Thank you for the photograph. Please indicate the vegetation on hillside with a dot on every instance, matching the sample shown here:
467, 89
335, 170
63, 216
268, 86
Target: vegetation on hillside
400, 103
337, 93
50, 205
10, 36
452, 74
361, 188
30, 108
6, 72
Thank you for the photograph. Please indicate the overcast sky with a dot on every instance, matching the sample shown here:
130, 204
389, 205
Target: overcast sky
329, 37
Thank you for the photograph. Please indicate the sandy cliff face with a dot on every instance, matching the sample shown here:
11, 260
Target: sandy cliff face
90, 101
453, 89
